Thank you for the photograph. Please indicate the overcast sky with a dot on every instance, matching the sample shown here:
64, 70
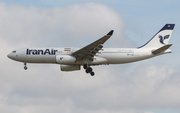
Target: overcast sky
149, 86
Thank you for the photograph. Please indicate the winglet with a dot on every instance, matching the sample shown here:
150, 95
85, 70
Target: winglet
111, 32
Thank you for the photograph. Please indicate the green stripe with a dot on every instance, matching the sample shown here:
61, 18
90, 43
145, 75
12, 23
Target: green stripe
67, 48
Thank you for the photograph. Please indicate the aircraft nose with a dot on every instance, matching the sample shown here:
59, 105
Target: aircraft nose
9, 55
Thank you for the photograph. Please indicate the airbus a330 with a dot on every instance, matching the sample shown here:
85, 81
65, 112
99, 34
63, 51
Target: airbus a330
71, 59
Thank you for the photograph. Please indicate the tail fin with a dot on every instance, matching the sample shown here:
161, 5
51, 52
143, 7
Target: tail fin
161, 38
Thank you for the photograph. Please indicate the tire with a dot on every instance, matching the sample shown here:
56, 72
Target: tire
25, 68
92, 73
85, 66
88, 70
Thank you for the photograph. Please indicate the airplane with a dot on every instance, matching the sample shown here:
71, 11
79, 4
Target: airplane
71, 59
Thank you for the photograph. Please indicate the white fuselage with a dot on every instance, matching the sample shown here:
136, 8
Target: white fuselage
104, 56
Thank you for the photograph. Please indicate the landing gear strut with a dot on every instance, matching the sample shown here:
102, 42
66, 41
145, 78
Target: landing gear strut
25, 67
88, 69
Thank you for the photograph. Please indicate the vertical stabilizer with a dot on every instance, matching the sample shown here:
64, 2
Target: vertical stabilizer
161, 38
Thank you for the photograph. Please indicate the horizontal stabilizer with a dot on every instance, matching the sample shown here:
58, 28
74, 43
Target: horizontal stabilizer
161, 49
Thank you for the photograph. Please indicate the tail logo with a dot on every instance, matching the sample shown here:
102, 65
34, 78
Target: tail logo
163, 38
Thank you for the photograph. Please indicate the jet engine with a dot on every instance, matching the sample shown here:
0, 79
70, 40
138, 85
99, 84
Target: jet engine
65, 59
70, 67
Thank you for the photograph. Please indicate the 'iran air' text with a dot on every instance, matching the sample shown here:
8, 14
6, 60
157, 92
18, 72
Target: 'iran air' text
41, 52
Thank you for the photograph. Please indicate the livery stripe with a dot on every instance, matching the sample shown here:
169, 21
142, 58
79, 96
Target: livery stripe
67, 49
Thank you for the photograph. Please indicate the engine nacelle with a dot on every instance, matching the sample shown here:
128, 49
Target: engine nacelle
65, 59
70, 67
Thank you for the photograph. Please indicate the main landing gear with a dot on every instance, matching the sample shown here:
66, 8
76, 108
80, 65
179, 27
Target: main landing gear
88, 69
25, 67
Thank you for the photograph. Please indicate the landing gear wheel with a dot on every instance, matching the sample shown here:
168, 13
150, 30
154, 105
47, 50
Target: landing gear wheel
88, 70
25, 67
85, 66
92, 73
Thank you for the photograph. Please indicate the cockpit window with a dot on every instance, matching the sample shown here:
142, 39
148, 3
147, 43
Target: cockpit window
13, 51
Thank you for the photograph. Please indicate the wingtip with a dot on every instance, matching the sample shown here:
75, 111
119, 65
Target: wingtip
111, 32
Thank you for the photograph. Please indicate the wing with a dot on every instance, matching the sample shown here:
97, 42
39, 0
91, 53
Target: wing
90, 50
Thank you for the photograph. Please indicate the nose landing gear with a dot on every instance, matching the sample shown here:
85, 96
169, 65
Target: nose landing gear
25, 67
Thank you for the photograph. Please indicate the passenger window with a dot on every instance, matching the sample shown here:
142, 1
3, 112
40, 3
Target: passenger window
13, 51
